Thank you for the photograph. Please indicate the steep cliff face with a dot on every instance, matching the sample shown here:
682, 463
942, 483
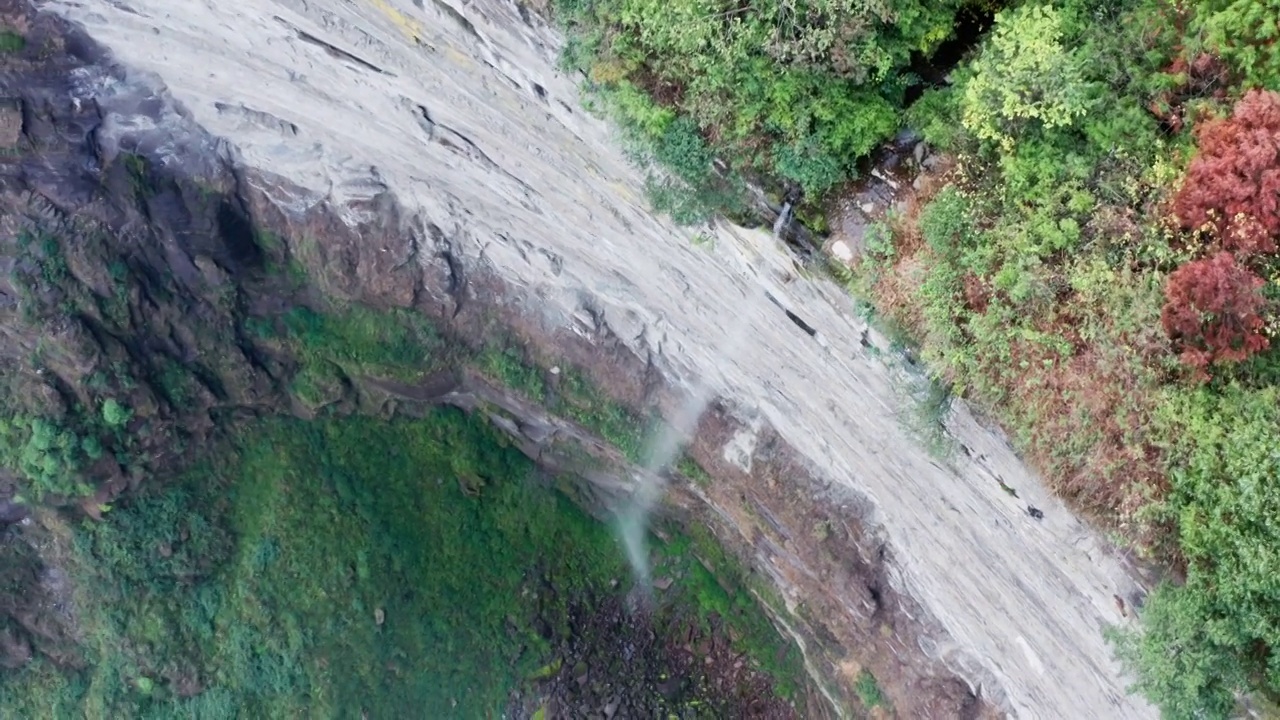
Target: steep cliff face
428, 155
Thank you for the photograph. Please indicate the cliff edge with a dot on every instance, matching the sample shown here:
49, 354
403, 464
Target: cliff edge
428, 154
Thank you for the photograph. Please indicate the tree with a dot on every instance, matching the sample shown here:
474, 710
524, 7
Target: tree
1214, 636
1244, 32
115, 414
1211, 311
1184, 667
1232, 189
1025, 75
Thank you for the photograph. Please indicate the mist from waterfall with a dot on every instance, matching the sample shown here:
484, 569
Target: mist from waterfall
663, 448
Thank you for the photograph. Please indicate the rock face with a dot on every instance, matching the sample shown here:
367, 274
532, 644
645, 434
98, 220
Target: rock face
428, 154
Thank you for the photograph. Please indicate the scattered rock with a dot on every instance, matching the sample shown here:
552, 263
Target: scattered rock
663, 583
841, 251
379, 616
10, 122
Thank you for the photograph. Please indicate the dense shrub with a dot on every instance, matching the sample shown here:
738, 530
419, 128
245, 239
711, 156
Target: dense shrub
49, 456
1024, 76
1211, 311
1232, 188
1244, 32
1216, 635
790, 90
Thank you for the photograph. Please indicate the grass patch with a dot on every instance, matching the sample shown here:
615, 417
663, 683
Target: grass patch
323, 568
868, 691
713, 583
11, 42
360, 340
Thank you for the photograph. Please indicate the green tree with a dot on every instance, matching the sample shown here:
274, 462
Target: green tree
1024, 77
1244, 32
114, 414
1186, 665
46, 454
1215, 635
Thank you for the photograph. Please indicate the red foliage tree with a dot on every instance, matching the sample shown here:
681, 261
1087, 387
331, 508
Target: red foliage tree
1233, 185
1211, 311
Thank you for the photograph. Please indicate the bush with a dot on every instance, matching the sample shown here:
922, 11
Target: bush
1232, 189
1184, 667
1211, 311
1215, 635
1244, 32
48, 455
1024, 77
114, 414
813, 169
936, 117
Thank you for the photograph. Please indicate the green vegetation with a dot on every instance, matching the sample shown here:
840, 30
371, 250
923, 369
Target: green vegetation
324, 568
1024, 75
1100, 272
315, 569
364, 340
345, 564
352, 561
48, 455
114, 414
11, 42
869, 693
797, 91
718, 588
1203, 639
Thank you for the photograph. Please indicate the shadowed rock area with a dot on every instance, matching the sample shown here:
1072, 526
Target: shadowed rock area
429, 156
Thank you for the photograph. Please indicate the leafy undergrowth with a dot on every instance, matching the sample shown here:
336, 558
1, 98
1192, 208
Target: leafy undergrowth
327, 569
722, 593
1098, 268
792, 90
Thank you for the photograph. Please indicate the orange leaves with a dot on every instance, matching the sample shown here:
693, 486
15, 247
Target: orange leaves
1232, 195
1232, 188
1211, 311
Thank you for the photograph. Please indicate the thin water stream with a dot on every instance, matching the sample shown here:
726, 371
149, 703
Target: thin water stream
632, 518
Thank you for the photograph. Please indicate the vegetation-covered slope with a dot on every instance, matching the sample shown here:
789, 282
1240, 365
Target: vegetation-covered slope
351, 567
1099, 268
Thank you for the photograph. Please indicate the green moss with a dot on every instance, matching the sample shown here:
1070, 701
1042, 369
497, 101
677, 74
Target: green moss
11, 42
581, 401
714, 584
868, 691
318, 383
507, 366
399, 343
689, 467
324, 568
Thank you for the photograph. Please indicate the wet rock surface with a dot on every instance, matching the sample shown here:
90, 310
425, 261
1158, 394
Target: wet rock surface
430, 156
